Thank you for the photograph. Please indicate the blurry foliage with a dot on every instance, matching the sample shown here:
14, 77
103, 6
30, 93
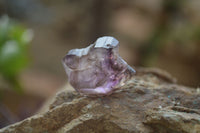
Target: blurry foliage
169, 30
14, 40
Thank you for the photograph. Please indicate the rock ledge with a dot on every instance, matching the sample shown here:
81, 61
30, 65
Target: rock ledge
149, 102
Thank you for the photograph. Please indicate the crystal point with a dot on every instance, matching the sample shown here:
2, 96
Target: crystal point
97, 69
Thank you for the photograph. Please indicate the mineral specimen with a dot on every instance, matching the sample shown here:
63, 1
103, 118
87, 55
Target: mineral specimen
97, 69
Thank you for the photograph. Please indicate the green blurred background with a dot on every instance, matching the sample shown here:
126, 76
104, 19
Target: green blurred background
36, 34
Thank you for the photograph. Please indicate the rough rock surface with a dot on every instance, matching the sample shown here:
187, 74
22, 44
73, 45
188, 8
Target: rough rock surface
149, 102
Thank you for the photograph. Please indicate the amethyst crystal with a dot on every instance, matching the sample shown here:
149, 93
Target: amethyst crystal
98, 68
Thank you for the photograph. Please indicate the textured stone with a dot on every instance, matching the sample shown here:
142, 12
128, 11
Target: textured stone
174, 120
147, 103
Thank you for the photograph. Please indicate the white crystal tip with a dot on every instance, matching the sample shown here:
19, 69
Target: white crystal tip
106, 42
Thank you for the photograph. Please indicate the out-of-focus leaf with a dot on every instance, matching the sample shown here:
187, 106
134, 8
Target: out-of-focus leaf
12, 58
14, 40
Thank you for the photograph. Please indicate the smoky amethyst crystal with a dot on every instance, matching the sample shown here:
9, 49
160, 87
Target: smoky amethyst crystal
97, 69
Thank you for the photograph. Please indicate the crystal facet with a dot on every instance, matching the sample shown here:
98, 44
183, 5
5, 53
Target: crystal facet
97, 69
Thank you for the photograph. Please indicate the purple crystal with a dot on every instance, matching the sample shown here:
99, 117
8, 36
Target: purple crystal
98, 68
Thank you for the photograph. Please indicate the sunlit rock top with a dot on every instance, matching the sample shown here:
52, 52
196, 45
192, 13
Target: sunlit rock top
97, 69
